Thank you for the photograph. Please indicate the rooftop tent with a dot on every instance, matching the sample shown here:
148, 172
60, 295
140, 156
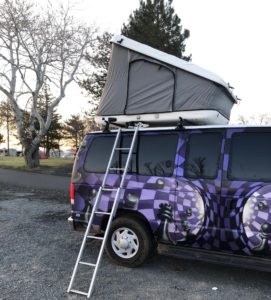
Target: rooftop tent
145, 84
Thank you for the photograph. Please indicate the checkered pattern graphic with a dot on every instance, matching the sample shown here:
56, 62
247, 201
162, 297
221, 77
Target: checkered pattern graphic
244, 220
204, 213
257, 211
189, 213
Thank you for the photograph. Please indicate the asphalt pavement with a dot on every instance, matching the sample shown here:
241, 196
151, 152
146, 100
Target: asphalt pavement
34, 180
38, 252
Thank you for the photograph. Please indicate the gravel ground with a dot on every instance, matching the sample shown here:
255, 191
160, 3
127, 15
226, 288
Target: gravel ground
38, 252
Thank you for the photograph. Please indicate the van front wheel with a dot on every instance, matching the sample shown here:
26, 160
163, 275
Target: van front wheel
129, 242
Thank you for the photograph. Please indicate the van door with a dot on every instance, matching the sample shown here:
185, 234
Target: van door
150, 184
198, 199
88, 174
246, 191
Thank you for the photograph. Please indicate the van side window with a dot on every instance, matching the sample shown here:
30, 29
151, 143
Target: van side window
99, 153
250, 156
202, 155
156, 155
126, 143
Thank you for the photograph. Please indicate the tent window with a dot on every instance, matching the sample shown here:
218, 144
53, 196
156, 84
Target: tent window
150, 88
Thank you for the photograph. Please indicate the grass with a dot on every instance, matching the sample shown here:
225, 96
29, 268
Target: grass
59, 166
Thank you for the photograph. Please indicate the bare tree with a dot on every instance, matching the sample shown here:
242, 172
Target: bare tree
255, 119
37, 46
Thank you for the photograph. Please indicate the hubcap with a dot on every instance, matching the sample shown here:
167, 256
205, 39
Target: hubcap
124, 242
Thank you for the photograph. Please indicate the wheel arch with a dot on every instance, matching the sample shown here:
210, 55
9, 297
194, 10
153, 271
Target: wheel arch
132, 214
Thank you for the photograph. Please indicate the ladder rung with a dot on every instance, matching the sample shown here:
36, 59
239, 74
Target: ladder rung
79, 292
102, 213
109, 190
117, 169
122, 149
87, 264
95, 237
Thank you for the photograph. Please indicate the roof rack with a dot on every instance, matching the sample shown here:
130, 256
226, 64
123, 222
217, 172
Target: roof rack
180, 125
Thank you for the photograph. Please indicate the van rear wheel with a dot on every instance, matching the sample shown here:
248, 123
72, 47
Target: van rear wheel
129, 242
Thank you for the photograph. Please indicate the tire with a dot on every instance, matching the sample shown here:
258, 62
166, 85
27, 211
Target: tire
129, 242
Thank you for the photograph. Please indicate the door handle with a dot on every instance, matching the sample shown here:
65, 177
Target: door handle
160, 183
231, 206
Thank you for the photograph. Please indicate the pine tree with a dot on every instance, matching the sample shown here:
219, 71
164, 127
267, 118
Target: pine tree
54, 133
155, 23
100, 61
7, 120
74, 130
2, 140
53, 136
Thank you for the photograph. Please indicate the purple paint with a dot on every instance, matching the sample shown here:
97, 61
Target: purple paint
203, 206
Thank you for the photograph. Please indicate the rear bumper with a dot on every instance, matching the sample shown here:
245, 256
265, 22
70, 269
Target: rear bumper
78, 225
71, 223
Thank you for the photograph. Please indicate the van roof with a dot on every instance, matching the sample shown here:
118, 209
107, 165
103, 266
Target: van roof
188, 127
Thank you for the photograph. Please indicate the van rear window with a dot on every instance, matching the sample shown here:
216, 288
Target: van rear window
250, 156
99, 153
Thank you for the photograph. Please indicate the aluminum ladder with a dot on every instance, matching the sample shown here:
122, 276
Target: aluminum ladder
96, 212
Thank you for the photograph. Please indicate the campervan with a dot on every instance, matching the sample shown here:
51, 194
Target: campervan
201, 192
174, 177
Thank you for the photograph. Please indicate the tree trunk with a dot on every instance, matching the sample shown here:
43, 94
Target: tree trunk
8, 136
31, 157
47, 145
76, 141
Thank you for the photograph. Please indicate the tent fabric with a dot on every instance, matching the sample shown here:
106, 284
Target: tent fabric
140, 84
150, 88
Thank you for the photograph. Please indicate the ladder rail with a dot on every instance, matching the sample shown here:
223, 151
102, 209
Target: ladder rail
95, 211
129, 158
113, 211
82, 247
111, 157
94, 208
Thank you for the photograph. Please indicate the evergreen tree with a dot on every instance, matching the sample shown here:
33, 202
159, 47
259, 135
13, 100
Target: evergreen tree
100, 61
53, 136
54, 133
7, 120
155, 23
1, 138
74, 130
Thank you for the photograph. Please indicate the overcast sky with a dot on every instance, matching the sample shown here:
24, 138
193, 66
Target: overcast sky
228, 37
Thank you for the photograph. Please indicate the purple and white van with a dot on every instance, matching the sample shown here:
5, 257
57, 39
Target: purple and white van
200, 192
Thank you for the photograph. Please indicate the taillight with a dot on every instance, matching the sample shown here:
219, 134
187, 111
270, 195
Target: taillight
72, 193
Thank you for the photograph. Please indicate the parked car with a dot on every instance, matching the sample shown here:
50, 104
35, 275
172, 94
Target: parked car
201, 192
